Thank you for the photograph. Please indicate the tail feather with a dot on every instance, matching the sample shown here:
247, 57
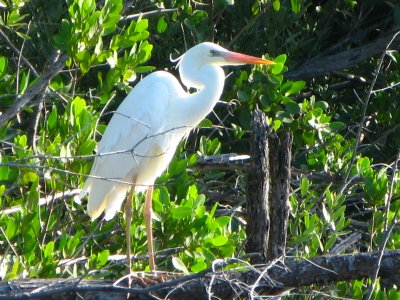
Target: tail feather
114, 200
103, 195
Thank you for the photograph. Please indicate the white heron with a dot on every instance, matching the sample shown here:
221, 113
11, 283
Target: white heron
144, 132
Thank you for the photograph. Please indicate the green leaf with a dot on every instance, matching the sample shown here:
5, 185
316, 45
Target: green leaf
102, 258
275, 78
223, 220
296, 87
181, 212
3, 66
52, 119
330, 242
277, 68
11, 228
87, 147
212, 212
141, 25
48, 250
4, 172
322, 105
363, 164
205, 123
218, 241
295, 6
292, 107
393, 293
281, 59
144, 52
337, 126
77, 106
143, 69
276, 5
304, 186
198, 267
161, 25
179, 265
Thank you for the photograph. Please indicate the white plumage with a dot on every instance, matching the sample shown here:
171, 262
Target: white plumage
143, 134
137, 144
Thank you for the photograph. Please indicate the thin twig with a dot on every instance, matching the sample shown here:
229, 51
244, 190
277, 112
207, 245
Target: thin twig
364, 109
149, 13
15, 49
387, 230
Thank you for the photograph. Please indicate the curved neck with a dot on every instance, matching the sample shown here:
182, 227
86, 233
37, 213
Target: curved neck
209, 82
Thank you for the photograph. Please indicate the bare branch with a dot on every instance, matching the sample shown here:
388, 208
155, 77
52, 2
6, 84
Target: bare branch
262, 280
43, 201
325, 64
149, 13
54, 67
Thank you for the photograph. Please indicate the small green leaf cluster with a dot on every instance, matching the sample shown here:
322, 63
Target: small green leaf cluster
12, 16
91, 37
202, 236
359, 289
320, 220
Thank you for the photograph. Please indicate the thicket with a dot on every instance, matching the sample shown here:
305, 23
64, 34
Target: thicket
66, 65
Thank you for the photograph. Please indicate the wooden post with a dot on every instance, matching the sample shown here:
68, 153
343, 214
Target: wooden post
280, 156
258, 222
268, 188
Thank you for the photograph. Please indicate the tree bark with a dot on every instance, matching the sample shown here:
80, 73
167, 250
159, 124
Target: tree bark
257, 189
256, 282
280, 158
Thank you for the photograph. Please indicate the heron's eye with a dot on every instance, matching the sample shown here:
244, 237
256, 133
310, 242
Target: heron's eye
213, 52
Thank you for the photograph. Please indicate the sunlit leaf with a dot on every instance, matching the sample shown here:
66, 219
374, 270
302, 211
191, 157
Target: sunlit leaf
179, 265
199, 266
181, 212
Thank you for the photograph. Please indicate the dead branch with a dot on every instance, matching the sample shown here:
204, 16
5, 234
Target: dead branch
322, 270
323, 65
54, 67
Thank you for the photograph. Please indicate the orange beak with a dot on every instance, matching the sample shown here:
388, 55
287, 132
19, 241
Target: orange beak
240, 58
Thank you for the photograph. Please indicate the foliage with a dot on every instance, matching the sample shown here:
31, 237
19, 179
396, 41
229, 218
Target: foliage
347, 180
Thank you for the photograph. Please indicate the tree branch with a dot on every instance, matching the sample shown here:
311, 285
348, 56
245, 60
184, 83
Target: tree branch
54, 67
325, 64
322, 270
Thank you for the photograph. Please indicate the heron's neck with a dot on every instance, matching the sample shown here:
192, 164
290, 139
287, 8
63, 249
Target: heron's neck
209, 82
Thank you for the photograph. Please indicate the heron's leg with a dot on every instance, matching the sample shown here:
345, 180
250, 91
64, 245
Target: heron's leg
147, 211
128, 220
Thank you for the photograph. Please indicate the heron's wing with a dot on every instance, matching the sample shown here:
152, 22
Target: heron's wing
132, 147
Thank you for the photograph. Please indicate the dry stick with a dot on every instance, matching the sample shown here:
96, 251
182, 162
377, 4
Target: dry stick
149, 13
54, 67
388, 231
42, 201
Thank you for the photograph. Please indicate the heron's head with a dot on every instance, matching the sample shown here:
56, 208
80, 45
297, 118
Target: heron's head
213, 54
201, 63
